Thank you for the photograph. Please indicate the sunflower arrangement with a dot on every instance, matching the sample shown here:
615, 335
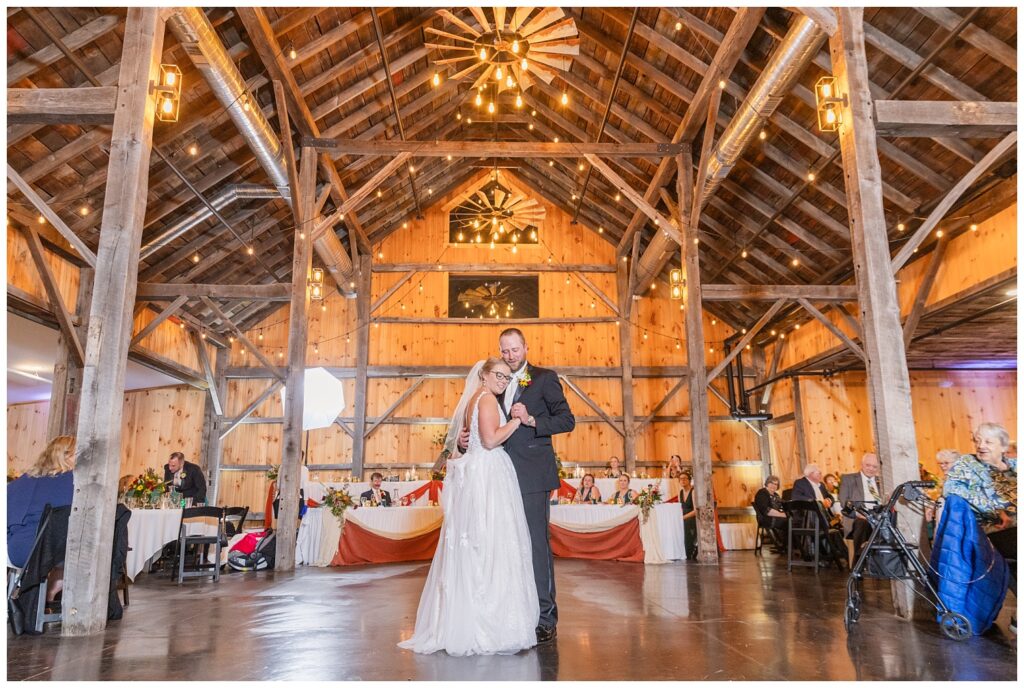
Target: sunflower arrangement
337, 501
646, 499
147, 487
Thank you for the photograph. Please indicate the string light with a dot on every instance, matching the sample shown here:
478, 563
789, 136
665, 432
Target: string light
810, 176
523, 65
83, 211
743, 254
974, 227
483, 53
250, 250
939, 233
679, 26
195, 258
519, 104
292, 54
796, 262
565, 98
763, 135
193, 150
41, 220
900, 227
580, 167
515, 46
618, 197
437, 79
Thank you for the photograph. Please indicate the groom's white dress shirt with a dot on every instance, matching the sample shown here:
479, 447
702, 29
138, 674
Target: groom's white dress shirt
513, 385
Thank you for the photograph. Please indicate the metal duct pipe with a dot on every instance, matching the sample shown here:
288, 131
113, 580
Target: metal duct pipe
791, 57
223, 199
199, 39
795, 52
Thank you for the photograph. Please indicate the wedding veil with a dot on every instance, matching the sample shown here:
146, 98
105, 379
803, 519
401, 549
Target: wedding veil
459, 417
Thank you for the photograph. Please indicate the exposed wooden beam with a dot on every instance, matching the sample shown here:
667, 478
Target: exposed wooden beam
934, 118
251, 408
241, 335
646, 420
373, 183
663, 223
593, 288
53, 295
617, 427
491, 149
169, 310
363, 293
84, 251
454, 372
798, 424
390, 292
152, 291
771, 292
927, 282
822, 16
831, 327
973, 34
79, 38
84, 105
97, 468
629, 425
393, 407
516, 268
211, 377
746, 339
462, 322
936, 215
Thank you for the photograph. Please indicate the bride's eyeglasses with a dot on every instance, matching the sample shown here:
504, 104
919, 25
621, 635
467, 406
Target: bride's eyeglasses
502, 377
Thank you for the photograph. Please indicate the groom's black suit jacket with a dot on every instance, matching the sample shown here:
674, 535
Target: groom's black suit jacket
530, 448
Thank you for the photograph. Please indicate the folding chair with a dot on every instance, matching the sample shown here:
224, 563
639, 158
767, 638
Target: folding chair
234, 520
15, 575
199, 543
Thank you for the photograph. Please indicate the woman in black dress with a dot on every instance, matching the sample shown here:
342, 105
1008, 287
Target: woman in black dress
689, 515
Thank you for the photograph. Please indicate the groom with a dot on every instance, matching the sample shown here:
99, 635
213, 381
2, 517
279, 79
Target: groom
535, 397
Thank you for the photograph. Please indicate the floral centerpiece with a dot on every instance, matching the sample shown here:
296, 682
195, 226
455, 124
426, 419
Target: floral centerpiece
148, 487
646, 499
562, 473
337, 501
439, 474
272, 472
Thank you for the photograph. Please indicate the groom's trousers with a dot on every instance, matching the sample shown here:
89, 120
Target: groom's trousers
538, 513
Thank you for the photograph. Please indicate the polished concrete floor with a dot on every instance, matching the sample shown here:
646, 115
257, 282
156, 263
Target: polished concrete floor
748, 619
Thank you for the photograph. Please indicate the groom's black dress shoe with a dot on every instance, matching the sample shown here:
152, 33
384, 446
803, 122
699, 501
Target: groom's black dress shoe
546, 635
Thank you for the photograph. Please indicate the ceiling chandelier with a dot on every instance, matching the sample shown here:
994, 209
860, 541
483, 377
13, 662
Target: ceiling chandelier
496, 214
508, 50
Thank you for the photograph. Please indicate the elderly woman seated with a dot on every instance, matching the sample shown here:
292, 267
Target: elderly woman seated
770, 515
987, 480
588, 492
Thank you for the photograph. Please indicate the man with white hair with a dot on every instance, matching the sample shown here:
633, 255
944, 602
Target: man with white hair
810, 488
864, 487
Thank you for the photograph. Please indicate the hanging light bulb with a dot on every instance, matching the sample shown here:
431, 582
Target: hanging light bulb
479, 99
498, 73
763, 135
250, 250
195, 258
193, 150
519, 104
523, 64
292, 54
514, 249
515, 45
508, 81
437, 78
565, 98
459, 236
490, 107
458, 115
483, 53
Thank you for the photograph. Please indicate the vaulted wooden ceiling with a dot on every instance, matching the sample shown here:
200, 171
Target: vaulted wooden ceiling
765, 207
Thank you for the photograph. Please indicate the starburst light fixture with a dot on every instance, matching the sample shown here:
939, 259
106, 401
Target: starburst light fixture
496, 213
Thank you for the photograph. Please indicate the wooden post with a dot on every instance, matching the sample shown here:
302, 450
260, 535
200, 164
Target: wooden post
888, 379
626, 361
764, 448
362, 363
290, 476
212, 446
66, 391
91, 526
697, 381
798, 424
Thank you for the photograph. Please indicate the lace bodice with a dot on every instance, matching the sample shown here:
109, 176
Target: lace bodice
475, 444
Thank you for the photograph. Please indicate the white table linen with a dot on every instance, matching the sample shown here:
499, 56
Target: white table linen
316, 491
150, 529
738, 535
662, 536
606, 486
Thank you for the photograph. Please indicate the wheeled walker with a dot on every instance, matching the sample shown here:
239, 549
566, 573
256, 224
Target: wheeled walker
887, 555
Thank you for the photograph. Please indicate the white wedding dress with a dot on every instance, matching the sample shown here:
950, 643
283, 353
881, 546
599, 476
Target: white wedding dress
480, 597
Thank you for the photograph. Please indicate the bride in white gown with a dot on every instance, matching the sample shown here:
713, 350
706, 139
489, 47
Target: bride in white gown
480, 597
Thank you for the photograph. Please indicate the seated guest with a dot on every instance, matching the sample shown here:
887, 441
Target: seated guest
49, 481
124, 483
945, 458
675, 467
614, 468
864, 487
831, 483
689, 515
987, 479
623, 493
810, 488
375, 495
186, 478
588, 492
768, 507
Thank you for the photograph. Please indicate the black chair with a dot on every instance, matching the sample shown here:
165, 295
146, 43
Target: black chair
803, 522
198, 545
763, 533
234, 520
17, 583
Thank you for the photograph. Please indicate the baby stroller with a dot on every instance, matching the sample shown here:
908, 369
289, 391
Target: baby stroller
888, 556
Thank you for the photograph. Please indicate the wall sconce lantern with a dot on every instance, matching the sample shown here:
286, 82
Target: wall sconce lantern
676, 284
316, 284
168, 93
830, 111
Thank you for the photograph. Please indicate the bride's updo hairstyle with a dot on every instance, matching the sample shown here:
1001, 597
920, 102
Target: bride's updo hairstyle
490, 364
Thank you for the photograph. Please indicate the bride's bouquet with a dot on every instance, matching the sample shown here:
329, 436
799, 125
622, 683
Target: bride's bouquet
647, 498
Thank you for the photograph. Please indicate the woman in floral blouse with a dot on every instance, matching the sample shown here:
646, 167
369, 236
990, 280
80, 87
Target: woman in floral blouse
988, 481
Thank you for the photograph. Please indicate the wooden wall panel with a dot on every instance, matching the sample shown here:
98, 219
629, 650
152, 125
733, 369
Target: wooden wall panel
22, 273
26, 434
169, 340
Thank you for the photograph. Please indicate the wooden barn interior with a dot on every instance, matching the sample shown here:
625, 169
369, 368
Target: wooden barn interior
722, 259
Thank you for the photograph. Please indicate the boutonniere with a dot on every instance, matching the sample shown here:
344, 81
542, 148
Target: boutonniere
525, 380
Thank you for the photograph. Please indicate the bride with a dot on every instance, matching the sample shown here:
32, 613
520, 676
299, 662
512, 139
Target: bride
480, 597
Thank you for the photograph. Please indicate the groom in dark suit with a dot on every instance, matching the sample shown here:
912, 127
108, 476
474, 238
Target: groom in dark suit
534, 396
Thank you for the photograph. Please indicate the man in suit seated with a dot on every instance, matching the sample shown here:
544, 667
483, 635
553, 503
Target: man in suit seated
865, 486
185, 478
810, 489
375, 495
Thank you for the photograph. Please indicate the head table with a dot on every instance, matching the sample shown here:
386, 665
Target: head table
150, 529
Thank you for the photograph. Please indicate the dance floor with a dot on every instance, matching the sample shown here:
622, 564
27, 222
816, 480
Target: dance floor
748, 619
